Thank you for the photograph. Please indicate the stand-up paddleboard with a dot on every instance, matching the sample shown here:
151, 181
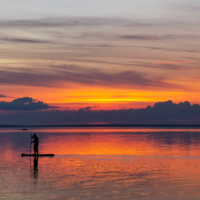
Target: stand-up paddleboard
39, 155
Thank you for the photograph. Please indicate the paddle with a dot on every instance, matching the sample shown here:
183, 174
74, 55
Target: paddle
30, 145
30, 150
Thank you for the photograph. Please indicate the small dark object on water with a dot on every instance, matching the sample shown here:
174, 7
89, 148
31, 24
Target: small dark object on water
24, 129
39, 155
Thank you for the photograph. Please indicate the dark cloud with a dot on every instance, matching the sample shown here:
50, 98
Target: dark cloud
170, 66
159, 37
23, 40
68, 73
25, 103
26, 77
161, 113
1, 95
72, 22
85, 109
140, 37
101, 62
129, 46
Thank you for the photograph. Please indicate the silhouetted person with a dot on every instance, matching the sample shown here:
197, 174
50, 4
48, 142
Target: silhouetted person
36, 143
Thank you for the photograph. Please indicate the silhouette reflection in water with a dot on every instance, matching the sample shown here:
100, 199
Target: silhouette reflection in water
35, 167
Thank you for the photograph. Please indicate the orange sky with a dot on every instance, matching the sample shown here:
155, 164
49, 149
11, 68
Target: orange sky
98, 97
100, 61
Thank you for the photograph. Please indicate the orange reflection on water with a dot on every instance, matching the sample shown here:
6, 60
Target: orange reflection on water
132, 142
108, 163
111, 130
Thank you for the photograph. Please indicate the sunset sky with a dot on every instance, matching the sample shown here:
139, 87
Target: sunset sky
108, 54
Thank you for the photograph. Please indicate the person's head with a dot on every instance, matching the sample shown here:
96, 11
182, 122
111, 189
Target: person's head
34, 135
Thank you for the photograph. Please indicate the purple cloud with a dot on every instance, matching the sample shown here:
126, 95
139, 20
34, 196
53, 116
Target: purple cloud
159, 37
25, 103
161, 113
23, 40
68, 73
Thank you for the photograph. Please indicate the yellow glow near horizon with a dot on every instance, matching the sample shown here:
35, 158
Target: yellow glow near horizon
99, 98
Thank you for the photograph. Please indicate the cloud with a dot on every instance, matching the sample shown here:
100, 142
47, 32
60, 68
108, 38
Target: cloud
1, 95
23, 40
159, 37
85, 109
161, 113
56, 28
22, 76
169, 66
173, 65
174, 62
71, 22
25, 103
68, 73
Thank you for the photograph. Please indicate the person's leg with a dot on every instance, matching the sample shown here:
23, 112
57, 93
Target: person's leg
35, 149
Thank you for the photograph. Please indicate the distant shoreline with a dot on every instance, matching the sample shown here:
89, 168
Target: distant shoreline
106, 126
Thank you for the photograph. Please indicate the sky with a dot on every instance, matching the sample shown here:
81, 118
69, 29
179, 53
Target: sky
101, 55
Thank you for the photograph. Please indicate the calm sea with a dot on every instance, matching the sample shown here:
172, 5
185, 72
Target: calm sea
105, 163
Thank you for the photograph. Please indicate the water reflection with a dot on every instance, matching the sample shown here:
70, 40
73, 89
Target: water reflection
104, 164
123, 143
35, 167
136, 142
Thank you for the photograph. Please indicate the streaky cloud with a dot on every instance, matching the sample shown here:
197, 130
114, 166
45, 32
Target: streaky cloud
25, 103
1, 95
75, 74
54, 22
23, 40
22, 76
174, 62
69, 22
159, 37
169, 66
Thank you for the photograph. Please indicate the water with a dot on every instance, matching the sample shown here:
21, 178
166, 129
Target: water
119, 164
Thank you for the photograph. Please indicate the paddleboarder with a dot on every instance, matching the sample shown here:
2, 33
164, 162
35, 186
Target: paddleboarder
36, 143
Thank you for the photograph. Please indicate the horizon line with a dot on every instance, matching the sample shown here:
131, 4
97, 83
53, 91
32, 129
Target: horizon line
103, 125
